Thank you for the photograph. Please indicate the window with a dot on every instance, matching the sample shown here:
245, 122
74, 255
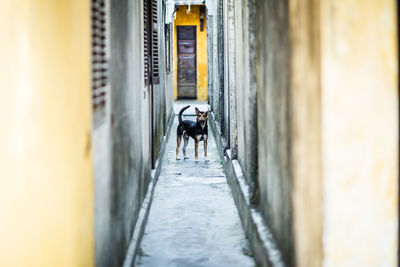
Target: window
151, 44
154, 43
147, 54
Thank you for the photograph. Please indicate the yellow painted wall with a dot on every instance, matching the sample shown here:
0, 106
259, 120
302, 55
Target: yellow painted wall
359, 132
193, 19
345, 132
46, 183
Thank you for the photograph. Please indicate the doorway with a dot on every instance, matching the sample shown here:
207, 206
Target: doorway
187, 62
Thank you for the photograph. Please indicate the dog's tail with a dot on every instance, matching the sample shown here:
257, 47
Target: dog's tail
180, 113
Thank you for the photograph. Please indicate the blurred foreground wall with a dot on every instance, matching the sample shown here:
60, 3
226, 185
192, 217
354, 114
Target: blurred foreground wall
360, 120
46, 181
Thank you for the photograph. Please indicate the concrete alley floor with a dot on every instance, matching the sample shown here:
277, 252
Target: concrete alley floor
193, 220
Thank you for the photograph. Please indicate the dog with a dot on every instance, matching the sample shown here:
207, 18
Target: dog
197, 130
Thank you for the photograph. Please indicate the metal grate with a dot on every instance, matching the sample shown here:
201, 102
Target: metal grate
99, 62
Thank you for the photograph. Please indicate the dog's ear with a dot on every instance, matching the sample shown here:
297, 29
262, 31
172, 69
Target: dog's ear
207, 112
197, 111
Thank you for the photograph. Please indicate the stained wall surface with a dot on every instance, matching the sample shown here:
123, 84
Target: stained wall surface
360, 132
274, 135
305, 130
129, 142
246, 87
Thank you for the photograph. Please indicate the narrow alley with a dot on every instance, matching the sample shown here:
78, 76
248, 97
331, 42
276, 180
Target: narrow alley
302, 104
193, 220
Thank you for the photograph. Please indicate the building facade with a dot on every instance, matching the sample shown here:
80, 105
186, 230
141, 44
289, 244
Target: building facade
190, 53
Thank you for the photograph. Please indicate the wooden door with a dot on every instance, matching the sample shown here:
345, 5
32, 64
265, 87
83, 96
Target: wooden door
187, 63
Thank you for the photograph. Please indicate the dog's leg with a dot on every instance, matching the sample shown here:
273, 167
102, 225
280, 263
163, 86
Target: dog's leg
205, 149
185, 143
178, 144
196, 147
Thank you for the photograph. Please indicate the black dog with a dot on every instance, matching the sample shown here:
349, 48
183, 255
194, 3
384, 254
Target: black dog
197, 130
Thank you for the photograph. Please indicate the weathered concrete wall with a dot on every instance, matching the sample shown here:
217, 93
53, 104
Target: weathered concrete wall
289, 142
238, 119
254, 119
102, 163
130, 139
130, 114
232, 77
226, 92
246, 89
360, 132
213, 42
169, 76
169, 93
274, 136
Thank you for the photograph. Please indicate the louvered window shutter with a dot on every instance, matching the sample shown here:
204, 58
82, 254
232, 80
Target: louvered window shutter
147, 40
99, 63
154, 44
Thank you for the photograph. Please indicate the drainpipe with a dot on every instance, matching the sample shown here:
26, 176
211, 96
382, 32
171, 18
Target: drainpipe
188, 10
169, 11
210, 7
